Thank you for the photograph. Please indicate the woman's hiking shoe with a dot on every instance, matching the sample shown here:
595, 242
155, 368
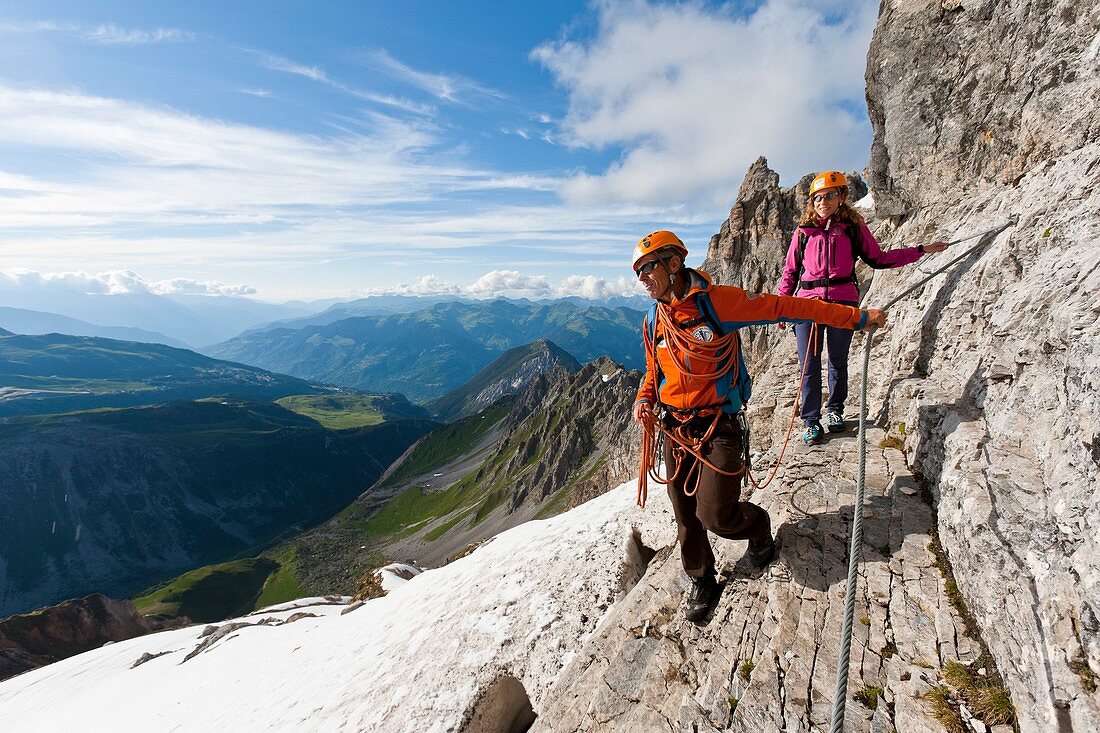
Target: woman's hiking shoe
811, 435
701, 596
834, 422
762, 552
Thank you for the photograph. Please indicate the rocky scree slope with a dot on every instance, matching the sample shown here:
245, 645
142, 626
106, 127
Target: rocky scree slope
567, 438
36, 639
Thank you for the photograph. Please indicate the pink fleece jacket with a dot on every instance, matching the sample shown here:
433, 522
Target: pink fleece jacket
829, 255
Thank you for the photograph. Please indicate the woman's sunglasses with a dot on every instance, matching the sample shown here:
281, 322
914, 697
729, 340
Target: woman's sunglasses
817, 198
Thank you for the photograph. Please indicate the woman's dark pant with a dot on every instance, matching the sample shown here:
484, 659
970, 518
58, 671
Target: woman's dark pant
838, 341
716, 505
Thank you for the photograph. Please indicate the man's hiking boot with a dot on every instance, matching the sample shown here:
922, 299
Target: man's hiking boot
834, 422
811, 435
762, 552
701, 596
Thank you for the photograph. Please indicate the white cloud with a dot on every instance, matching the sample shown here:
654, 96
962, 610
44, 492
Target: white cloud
278, 63
426, 285
19, 281
514, 284
510, 282
114, 282
694, 94
447, 87
155, 165
183, 286
104, 34
109, 34
598, 288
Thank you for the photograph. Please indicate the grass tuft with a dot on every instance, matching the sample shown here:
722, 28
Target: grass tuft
746, 669
945, 709
985, 696
1080, 666
869, 696
892, 441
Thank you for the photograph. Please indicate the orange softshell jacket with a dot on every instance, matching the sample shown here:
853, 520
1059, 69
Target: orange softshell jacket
729, 308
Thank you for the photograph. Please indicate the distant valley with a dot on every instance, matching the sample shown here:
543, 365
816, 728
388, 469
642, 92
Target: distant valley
124, 463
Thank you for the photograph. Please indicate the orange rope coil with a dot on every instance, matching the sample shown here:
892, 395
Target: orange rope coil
703, 353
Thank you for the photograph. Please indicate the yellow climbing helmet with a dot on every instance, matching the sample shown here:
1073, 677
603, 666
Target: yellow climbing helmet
828, 179
660, 239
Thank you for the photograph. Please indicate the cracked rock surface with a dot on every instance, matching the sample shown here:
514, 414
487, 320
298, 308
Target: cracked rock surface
766, 659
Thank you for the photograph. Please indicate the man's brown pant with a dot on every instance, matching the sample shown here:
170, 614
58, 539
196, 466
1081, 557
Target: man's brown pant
716, 504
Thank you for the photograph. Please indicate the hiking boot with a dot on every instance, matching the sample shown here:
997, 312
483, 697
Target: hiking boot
812, 433
834, 422
701, 596
762, 552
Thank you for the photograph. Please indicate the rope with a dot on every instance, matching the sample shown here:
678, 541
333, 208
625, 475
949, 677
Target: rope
811, 343
702, 360
840, 696
654, 433
651, 442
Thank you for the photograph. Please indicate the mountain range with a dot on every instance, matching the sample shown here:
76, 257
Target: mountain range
20, 320
427, 353
183, 318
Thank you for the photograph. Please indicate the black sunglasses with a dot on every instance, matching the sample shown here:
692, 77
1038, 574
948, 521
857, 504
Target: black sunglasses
827, 196
648, 267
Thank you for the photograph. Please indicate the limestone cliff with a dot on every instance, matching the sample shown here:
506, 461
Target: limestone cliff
982, 110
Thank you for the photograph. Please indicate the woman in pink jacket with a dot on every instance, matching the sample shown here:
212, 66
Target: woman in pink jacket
821, 264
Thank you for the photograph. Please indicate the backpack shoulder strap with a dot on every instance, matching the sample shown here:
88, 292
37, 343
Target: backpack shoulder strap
706, 310
803, 238
650, 321
855, 236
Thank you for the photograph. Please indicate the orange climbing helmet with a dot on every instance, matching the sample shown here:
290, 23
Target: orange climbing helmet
660, 239
828, 179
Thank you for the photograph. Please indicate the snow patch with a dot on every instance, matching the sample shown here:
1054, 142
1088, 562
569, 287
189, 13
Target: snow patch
867, 202
421, 658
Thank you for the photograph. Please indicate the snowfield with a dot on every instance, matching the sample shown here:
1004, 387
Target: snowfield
415, 660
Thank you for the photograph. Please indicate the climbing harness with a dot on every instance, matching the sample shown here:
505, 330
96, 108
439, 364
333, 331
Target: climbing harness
840, 695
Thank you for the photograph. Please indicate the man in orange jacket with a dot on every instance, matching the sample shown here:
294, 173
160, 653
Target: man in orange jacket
696, 385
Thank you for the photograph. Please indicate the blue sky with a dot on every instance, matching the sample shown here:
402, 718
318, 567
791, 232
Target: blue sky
309, 150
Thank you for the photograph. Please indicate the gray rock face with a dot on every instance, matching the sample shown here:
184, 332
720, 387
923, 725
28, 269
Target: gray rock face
995, 366
965, 93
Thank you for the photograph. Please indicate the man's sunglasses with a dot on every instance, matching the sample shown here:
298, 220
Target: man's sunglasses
648, 267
